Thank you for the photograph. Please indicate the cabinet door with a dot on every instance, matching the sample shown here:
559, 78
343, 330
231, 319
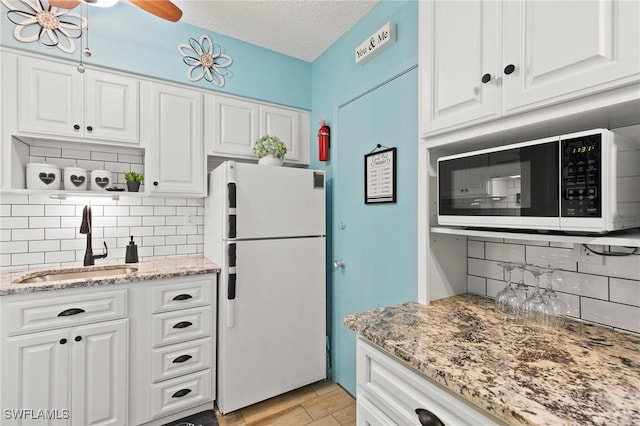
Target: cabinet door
285, 124
50, 98
460, 46
111, 107
176, 155
565, 49
35, 375
231, 126
99, 374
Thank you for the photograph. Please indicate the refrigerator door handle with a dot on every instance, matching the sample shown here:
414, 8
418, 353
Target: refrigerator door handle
232, 226
231, 187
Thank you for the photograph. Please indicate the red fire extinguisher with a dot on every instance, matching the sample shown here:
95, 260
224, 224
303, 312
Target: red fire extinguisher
323, 141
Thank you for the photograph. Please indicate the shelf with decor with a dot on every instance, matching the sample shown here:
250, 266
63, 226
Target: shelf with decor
628, 238
68, 195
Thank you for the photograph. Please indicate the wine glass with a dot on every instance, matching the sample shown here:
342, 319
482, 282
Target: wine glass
536, 307
521, 288
507, 300
559, 307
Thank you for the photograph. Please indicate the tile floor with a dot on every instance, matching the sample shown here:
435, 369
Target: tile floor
319, 404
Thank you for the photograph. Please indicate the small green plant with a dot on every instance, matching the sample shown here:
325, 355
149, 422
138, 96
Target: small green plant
270, 145
132, 176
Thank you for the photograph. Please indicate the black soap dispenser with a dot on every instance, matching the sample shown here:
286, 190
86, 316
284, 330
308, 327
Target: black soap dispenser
132, 252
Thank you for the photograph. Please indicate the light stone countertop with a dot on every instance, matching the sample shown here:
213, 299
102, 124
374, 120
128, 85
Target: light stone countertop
147, 270
520, 372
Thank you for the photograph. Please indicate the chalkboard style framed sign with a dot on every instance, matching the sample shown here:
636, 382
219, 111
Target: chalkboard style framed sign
380, 176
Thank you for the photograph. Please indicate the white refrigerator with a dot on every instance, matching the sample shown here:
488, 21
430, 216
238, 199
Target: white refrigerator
265, 227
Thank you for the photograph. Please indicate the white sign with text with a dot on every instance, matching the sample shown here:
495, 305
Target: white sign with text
375, 44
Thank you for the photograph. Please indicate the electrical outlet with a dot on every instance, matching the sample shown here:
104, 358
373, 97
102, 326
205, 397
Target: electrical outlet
584, 255
189, 218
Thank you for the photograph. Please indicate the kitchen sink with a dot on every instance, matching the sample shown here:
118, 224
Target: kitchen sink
76, 273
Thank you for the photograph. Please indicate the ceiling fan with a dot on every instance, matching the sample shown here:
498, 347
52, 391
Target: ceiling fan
164, 9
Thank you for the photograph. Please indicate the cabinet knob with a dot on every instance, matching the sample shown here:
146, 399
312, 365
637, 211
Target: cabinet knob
78, 338
427, 418
183, 324
155, 183
89, 128
182, 358
486, 78
183, 296
69, 312
509, 69
181, 393
76, 126
63, 341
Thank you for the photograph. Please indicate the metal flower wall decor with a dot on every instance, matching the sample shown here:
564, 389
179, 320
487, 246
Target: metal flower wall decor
205, 60
52, 26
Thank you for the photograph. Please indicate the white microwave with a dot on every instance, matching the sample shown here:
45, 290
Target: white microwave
579, 182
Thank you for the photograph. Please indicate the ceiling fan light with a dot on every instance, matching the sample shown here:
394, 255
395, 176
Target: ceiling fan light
100, 3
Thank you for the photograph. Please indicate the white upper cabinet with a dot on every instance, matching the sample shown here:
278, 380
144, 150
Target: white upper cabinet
464, 48
484, 60
56, 100
233, 125
563, 49
175, 158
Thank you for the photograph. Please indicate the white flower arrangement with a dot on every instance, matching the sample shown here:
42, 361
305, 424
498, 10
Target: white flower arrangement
270, 145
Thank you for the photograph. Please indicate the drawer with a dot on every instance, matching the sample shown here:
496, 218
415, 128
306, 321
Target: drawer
177, 394
180, 326
175, 360
397, 391
183, 293
40, 312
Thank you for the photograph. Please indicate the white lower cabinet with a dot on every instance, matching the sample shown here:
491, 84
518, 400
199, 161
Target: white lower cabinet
75, 374
389, 393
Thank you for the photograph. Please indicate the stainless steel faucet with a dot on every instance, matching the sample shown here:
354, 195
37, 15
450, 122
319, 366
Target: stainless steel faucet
85, 228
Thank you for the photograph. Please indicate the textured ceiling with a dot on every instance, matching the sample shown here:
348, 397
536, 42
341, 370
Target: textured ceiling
303, 29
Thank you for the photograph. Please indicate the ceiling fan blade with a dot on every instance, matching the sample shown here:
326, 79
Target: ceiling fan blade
64, 4
161, 8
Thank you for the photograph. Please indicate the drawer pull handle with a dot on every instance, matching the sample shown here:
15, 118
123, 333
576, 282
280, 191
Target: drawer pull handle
183, 297
183, 324
427, 418
69, 312
182, 358
181, 393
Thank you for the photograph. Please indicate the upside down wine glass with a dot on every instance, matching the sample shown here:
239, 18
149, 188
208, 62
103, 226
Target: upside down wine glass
507, 300
559, 307
537, 308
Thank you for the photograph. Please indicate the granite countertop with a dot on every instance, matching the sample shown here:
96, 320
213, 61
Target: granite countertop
147, 270
520, 372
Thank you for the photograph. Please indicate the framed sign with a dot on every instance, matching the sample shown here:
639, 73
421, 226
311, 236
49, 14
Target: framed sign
380, 176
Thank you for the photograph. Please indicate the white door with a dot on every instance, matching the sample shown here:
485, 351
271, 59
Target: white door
278, 201
99, 374
231, 126
272, 330
283, 123
111, 107
564, 49
462, 45
176, 156
50, 98
37, 366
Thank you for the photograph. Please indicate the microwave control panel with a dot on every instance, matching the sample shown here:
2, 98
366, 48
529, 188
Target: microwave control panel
581, 170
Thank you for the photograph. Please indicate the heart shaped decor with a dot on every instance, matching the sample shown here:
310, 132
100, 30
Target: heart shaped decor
77, 180
47, 178
102, 181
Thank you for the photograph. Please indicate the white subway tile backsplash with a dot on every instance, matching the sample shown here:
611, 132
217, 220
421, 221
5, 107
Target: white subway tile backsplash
44, 245
141, 231
164, 211
607, 294
5, 210
187, 249
176, 239
153, 201
475, 249
129, 221
18, 259
27, 234
104, 156
45, 222
60, 210
126, 158
80, 154
176, 202
190, 230
60, 233
72, 244
477, 285
14, 222
116, 210
14, 247
153, 221
42, 151
164, 250
613, 314
153, 241
5, 234
27, 210
141, 210
116, 232
164, 230
195, 239
551, 256
14, 199
624, 291
59, 256
104, 221
502, 252
615, 266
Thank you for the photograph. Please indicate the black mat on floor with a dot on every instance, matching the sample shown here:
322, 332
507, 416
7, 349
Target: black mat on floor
203, 418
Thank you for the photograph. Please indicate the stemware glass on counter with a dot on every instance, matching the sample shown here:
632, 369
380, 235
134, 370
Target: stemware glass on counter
536, 307
507, 300
559, 307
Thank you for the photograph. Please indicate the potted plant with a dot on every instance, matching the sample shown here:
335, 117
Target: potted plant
270, 150
133, 180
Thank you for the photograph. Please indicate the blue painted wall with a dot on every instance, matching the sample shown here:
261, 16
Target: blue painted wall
337, 79
126, 38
